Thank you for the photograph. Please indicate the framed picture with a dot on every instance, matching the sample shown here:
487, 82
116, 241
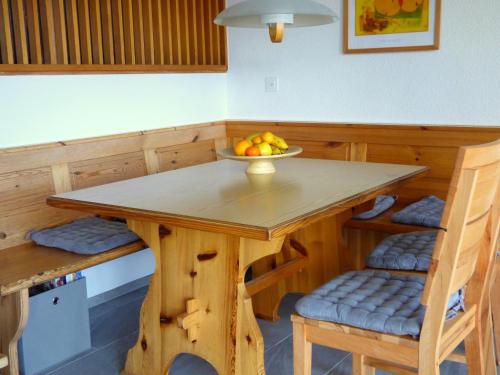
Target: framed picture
391, 25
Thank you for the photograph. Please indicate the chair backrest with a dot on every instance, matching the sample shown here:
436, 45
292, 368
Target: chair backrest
465, 248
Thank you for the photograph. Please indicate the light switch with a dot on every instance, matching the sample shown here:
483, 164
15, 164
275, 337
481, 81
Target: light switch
272, 84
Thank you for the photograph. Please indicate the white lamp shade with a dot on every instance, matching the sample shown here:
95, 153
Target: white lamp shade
261, 13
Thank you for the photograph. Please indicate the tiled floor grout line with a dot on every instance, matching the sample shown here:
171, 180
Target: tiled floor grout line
276, 344
89, 353
337, 364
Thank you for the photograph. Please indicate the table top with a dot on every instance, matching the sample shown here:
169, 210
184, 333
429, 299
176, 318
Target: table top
221, 197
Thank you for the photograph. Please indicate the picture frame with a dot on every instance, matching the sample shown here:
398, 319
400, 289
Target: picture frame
372, 26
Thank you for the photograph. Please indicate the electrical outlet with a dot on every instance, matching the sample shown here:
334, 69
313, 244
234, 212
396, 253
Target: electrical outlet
272, 84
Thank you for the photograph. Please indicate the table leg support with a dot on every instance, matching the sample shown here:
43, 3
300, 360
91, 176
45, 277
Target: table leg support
14, 310
322, 244
197, 302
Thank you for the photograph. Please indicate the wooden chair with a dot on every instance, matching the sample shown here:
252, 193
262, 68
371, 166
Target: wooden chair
463, 258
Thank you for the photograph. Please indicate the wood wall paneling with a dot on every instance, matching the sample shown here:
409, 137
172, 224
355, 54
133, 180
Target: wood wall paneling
433, 146
28, 175
93, 36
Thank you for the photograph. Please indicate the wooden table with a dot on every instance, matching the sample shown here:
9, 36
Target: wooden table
206, 225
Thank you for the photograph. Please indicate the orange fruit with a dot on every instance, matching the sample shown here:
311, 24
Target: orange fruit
252, 151
267, 137
257, 140
241, 147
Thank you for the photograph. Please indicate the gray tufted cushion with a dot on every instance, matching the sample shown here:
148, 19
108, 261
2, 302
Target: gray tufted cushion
86, 236
426, 212
406, 251
373, 300
382, 204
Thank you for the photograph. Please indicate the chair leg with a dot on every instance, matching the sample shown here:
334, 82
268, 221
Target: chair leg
474, 353
359, 367
430, 370
495, 307
302, 351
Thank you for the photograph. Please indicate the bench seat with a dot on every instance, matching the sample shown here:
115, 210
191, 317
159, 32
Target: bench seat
29, 264
383, 223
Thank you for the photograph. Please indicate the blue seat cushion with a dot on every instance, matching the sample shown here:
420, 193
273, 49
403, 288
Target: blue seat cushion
382, 204
406, 252
373, 300
426, 212
86, 236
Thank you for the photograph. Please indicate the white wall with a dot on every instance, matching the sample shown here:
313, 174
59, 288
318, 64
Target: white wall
38, 109
459, 84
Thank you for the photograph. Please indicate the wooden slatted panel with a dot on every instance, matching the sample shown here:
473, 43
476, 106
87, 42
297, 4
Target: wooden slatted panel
176, 31
60, 31
210, 32
192, 24
6, 41
220, 34
48, 32
118, 32
201, 31
96, 31
111, 36
185, 31
140, 55
20, 35
158, 32
34, 32
128, 32
149, 48
108, 43
75, 56
167, 32
85, 35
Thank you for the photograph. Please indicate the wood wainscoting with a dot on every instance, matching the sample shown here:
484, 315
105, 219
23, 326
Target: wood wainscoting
29, 175
432, 146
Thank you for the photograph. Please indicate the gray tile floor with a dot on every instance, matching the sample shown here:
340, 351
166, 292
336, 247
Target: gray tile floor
114, 331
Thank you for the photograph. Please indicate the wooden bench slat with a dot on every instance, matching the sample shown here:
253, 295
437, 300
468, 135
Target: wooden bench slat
28, 265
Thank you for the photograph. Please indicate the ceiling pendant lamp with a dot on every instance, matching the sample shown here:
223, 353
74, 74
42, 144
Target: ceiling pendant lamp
275, 15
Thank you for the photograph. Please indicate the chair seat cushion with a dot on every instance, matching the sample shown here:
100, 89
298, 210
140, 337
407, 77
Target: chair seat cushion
372, 300
86, 236
405, 252
426, 212
382, 204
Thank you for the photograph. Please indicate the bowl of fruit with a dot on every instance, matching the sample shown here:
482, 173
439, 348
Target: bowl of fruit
259, 150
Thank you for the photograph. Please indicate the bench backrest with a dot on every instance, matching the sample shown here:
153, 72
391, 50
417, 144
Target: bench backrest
433, 146
28, 175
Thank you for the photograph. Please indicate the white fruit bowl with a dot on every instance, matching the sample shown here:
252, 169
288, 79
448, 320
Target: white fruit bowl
260, 164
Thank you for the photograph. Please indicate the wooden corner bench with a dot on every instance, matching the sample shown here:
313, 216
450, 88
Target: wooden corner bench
28, 175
